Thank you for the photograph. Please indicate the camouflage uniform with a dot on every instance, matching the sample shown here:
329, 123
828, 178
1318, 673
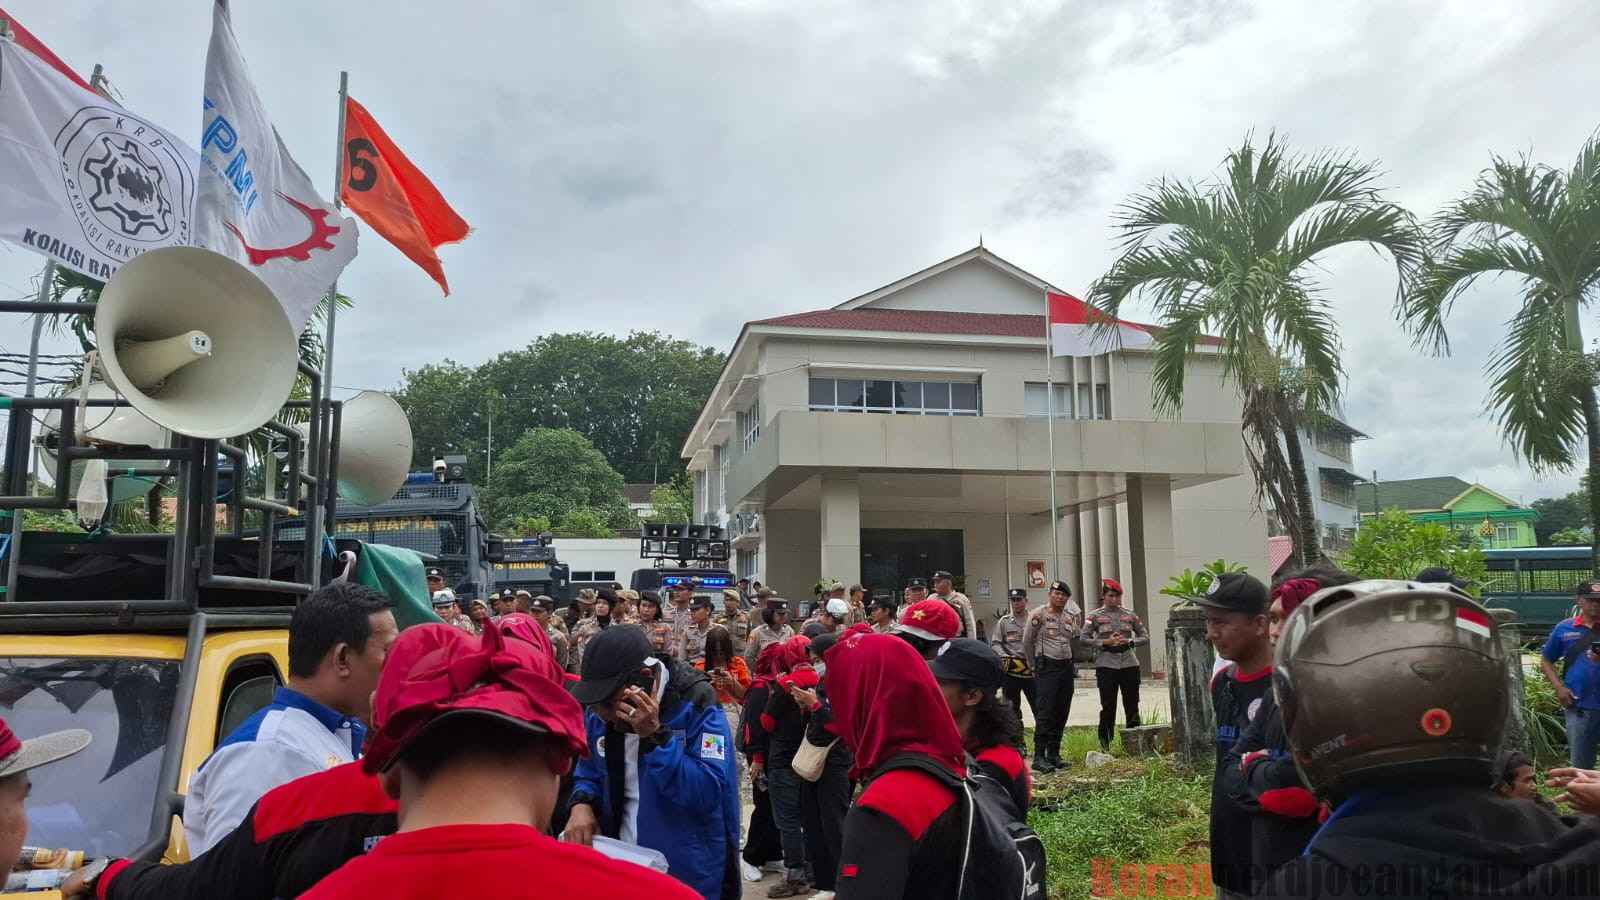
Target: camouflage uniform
738, 625
662, 638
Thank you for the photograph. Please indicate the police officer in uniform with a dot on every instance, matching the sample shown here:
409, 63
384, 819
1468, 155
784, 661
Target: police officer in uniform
858, 605
944, 587
736, 620
692, 642
677, 612
543, 606
881, 614
1007, 642
1047, 647
774, 628
1115, 631
916, 592
655, 625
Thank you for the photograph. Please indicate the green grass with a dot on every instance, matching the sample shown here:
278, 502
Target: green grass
1142, 811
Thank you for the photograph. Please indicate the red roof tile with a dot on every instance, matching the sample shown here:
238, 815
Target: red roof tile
916, 321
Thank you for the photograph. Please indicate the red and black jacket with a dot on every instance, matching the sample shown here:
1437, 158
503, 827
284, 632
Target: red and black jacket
1237, 699
900, 837
1006, 765
295, 836
1260, 775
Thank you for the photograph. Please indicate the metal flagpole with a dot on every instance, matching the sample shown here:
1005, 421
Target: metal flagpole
1050, 429
13, 550
338, 192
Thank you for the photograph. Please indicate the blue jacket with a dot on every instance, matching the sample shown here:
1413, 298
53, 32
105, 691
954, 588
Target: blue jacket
1583, 676
688, 795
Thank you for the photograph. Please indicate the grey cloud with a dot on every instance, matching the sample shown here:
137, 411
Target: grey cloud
685, 167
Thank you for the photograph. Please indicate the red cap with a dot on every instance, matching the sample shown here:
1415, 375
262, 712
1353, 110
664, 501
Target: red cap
933, 619
437, 671
1111, 584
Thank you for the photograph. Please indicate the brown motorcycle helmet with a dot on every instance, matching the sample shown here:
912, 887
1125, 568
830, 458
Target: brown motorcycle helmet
1386, 680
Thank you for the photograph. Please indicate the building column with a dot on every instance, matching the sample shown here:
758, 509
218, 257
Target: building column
1153, 555
1110, 549
840, 510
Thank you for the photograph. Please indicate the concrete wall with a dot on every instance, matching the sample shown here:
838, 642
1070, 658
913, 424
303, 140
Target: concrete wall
971, 286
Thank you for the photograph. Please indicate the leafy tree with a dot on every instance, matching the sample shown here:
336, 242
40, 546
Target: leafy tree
1571, 537
585, 523
1542, 225
635, 397
1236, 258
550, 473
1394, 545
673, 499
1192, 585
1557, 514
447, 408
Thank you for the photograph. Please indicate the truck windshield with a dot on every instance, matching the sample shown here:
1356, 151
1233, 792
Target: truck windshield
100, 799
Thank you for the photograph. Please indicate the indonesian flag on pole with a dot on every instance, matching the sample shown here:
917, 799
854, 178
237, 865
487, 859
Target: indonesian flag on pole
1078, 330
256, 204
393, 196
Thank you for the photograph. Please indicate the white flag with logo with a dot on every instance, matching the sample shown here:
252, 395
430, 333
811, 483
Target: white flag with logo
83, 180
256, 204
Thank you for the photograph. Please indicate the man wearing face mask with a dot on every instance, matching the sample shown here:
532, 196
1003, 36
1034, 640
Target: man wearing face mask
661, 771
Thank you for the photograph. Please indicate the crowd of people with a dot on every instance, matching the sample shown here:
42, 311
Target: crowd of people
1360, 725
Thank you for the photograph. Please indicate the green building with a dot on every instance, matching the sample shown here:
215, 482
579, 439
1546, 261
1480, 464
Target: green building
1490, 518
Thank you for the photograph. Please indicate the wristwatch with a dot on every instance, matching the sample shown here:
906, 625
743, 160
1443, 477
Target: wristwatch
92, 872
659, 738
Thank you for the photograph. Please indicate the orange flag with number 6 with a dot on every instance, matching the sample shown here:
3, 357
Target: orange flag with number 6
389, 193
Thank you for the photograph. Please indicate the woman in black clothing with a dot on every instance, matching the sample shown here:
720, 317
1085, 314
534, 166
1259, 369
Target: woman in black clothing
824, 802
762, 844
786, 728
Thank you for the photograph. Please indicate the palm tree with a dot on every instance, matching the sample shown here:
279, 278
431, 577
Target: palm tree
1542, 224
1234, 257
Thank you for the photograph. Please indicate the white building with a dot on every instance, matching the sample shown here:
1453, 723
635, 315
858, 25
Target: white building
905, 431
1331, 470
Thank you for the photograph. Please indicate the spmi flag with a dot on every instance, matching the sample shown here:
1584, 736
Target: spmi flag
83, 180
256, 203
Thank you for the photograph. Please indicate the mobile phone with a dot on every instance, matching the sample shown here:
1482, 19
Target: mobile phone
644, 680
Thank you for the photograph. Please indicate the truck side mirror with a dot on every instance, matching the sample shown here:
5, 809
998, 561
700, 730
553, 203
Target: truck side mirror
494, 548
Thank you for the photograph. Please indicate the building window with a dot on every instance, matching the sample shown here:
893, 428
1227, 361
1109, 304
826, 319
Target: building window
1071, 401
1334, 492
882, 395
1334, 445
749, 425
1505, 533
744, 564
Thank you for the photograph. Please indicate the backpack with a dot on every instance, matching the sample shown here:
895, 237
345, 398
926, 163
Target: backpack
1001, 857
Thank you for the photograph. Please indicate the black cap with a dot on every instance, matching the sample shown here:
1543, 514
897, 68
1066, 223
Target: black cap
652, 596
543, 602
883, 601
609, 660
684, 584
917, 583
815, 629
1237, 592
942, 574
508, 594
1588, 589
1016, 594
435, 572
1061, 586
701, 602
969, 662
777, 604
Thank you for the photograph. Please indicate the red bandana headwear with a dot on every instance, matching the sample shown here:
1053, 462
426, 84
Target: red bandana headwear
886, 702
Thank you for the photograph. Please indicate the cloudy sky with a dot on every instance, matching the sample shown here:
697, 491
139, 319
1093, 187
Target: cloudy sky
686, 166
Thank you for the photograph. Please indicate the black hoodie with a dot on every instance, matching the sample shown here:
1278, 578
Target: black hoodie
1444, 841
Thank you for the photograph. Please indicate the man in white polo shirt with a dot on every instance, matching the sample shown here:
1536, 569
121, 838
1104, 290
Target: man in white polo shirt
338, 639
